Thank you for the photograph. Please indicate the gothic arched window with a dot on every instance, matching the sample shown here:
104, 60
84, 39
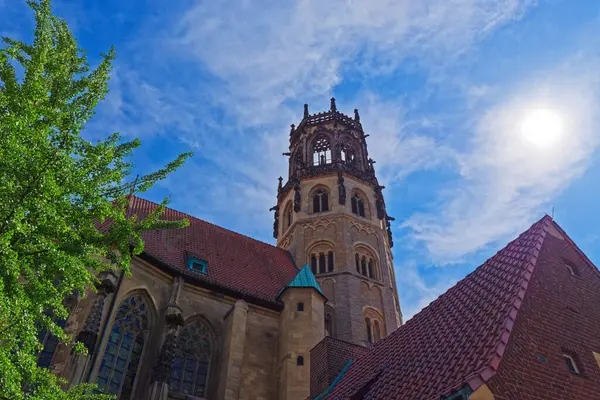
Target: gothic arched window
299, 158
328, 325
358, 205
321, 258
376, 331
321, 151
347, 154
366, 263
320, 201
363, 266
124, 348
190, 367
374, 325
329, 321
322, 266
288, 217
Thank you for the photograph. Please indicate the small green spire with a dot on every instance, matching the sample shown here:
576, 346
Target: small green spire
304, 279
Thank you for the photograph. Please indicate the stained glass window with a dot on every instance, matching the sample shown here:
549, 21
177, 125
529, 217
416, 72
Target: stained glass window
124, 348
190, 368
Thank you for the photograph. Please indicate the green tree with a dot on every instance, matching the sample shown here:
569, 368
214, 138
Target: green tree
56, 189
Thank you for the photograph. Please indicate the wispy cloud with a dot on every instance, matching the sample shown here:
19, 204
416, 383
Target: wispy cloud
505, 179
262, 65
416, 292
277, 51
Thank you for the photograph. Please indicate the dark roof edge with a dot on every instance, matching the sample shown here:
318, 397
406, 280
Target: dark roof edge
337, 379
277, 306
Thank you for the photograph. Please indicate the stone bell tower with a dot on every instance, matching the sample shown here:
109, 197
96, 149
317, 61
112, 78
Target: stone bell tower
331, 215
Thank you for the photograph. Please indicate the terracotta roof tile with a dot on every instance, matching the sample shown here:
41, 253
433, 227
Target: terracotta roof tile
457, 340
234, 261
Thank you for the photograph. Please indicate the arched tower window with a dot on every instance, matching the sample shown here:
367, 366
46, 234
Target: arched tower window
366, 262
358, 205
191, 365
320, 200
376, 331
123, 351
347, 154
288, 216
329, 321
322, 265
321, 258
363, 266
374, 325
321, 151
299, 158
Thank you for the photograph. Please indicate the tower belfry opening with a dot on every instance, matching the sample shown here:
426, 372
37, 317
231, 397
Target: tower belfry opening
346, 244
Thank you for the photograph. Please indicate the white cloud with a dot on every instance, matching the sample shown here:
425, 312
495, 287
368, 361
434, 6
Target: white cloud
275, 51
415, 292
396, 142
506, 181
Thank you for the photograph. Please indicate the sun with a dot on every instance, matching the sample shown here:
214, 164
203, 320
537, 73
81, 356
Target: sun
542, 127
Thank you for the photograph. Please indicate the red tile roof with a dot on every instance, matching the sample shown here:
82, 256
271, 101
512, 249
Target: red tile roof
235, 261
457, 340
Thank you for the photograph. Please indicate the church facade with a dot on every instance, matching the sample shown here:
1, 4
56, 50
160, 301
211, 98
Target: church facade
208, 313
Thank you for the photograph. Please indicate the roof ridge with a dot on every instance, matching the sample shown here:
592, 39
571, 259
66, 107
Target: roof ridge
502, 281
482, 375
207, 222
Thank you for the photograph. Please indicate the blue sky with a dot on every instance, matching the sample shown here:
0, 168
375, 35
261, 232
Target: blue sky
442, 87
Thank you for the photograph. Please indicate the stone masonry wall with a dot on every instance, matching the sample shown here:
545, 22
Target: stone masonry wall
258, 337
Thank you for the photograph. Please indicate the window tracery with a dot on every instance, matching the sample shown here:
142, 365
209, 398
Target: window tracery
191, 365
123, 351
321, 151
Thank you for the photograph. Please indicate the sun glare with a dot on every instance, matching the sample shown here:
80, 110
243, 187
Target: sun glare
542, 127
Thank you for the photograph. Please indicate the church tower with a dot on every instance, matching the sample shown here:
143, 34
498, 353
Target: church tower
331, 215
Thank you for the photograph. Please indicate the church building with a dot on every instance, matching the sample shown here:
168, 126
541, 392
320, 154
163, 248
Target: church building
208, 313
